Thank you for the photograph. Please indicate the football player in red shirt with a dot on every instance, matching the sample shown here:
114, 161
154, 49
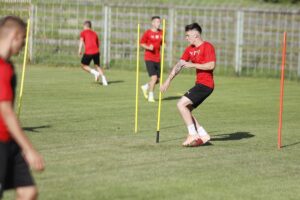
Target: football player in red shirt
200, 55
151, 42
91, 43
16, 151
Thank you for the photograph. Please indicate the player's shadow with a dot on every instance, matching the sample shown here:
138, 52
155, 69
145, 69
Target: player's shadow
232, 136
171, 98
35, 129
288, 145
115, 82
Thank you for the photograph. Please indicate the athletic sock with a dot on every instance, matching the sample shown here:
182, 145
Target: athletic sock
103, 78
201, 131
94, 72
192, 130
151, 95
146, 86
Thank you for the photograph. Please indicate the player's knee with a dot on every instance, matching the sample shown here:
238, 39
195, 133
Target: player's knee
179, 105
157, 81
154, 79
27, 193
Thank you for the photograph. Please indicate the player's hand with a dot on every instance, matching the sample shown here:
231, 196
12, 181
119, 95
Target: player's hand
165, 86
35, 160
188, 65
151, 47
79, 53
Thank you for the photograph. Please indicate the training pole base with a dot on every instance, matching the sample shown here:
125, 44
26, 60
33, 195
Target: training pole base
157, 137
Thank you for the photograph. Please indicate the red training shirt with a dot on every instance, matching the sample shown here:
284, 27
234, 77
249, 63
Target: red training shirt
154, 38
7, 88
91, 41
203, 54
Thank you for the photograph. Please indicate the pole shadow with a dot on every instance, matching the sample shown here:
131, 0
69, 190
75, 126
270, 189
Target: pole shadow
232, 136
167, 127
288, 145
170, 98
117, 81
35, 129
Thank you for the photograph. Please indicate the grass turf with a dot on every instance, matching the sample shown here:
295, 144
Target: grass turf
85, 133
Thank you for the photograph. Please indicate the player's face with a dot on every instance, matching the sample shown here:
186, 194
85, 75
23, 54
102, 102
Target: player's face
18, 41
156, 23
191, 36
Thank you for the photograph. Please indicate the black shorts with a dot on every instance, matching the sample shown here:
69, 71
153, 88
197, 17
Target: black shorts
14, 171
86, 59
198, 94
153, 68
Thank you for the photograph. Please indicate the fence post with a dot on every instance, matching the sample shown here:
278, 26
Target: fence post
109, 36
32, 21
239, 42
298, 71
105, 36
171, 16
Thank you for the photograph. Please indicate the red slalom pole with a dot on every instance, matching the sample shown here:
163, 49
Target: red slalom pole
281, 90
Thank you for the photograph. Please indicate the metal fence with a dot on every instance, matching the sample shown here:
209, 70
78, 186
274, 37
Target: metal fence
248, 41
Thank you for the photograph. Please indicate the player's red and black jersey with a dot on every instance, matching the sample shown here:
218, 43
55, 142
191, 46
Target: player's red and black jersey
7, 93
91, 42
152, 38
203, 54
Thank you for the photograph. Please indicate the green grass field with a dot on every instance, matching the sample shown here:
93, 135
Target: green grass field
85, 133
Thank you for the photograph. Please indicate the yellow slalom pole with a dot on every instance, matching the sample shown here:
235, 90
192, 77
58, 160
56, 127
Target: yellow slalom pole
24, 68
160, 81
137, 79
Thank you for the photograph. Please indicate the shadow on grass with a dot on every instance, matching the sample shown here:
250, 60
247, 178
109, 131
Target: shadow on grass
171, 98
232, 136
35, 128
117, 81
167, 127
288, 145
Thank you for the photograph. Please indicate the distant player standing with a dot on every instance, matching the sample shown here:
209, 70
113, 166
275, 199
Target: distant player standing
90, 41
151, 42
15, 147
200, 55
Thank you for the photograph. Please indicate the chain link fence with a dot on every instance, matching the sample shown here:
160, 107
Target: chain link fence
248, 40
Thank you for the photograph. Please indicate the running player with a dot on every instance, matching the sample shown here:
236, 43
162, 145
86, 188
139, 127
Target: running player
200, 55
15, 147
90, 41
151, 42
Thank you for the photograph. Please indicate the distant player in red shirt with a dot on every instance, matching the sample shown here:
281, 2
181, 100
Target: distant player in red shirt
200, 55
151, 42
16, 151
90, 41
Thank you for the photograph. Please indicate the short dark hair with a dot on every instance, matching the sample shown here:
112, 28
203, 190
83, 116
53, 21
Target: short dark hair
88, 23
155, 17
12, 20
193, 26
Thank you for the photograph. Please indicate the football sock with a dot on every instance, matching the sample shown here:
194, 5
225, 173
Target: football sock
192, 130
103, 78
151, 95
146, 86
94, 72
202, 132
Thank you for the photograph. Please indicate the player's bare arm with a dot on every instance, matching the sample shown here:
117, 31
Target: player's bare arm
148, 47
205, 66
80, 46
174, 72
33, 158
